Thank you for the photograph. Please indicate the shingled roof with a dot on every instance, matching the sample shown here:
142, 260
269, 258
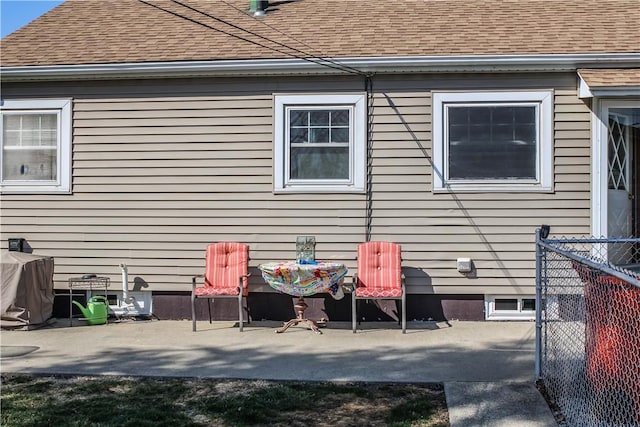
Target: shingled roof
135, 31
599, 78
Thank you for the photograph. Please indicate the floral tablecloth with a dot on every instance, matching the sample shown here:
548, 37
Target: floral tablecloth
304, 280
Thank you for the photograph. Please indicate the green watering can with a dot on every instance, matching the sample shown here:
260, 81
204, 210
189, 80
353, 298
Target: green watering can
96, 310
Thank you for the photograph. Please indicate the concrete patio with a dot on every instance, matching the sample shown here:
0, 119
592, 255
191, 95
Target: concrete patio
487, 367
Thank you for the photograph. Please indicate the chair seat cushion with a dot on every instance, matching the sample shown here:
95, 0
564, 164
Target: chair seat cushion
202, 291
378, 293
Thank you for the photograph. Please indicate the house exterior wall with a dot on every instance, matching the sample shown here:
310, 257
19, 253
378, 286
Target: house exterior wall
163, 167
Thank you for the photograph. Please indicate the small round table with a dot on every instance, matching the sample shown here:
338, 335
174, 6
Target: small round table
304, 279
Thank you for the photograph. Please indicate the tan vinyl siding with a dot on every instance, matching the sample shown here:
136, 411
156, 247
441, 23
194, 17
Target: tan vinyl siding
160, 169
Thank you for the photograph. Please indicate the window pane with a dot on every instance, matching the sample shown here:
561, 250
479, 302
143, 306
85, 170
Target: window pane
319, 162
30, 165
458, 134
340, 135
528, 304
480, 134
506, 304
503, 133
492, 142
479, 115
299, 135
30, 130
48, 138
502, 115
11, 122
298, 118
31, 121
458, 115
525, 115
30, 138
319, 135
340, 118
319, 118
11, 138
525, 134
48, 121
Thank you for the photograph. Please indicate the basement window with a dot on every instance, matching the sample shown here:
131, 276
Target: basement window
510, 307
35, 146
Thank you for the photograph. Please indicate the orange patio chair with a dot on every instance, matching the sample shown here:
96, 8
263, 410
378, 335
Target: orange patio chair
226, 274
379, 276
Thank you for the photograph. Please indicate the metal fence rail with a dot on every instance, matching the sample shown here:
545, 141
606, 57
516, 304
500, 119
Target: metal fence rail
588, 328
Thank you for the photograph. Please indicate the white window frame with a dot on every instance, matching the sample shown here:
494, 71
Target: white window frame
62, 107
519, 314
356, 103
543, 100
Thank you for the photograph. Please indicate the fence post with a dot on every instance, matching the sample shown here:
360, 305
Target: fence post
538, 367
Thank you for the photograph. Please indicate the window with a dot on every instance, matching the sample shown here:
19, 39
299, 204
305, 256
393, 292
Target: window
320, 143
510, 307
492, 141
35, 146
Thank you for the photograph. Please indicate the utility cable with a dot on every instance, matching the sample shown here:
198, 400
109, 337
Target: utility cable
321, 56
237, 27
317, 62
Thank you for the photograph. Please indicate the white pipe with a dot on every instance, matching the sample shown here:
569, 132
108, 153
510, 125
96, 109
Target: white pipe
125, 283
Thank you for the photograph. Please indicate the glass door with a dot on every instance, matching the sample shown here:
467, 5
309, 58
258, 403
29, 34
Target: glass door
623, 153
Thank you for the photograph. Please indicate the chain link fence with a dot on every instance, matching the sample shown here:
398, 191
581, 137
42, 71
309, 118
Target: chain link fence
588, 329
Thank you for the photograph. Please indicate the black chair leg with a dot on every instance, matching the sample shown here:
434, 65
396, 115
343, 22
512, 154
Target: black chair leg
193, 312
209, 307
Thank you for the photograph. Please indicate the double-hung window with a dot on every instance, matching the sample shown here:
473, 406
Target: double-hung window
493, 141
35, 146
319, 143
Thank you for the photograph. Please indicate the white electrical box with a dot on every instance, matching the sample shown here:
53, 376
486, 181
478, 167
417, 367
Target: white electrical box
464, 265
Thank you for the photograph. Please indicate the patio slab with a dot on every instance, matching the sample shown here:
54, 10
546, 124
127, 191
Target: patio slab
475, 360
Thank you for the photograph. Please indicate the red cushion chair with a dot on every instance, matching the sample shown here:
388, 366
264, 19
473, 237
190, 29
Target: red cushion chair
379, 276
226, 273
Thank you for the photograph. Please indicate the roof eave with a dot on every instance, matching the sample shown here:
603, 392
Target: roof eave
369, 65
611, 91
591, 91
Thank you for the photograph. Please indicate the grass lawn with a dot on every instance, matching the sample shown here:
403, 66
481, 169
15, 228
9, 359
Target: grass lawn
132, 401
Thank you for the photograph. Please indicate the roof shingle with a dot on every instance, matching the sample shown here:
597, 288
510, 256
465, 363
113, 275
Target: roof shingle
133, 31
612, 77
